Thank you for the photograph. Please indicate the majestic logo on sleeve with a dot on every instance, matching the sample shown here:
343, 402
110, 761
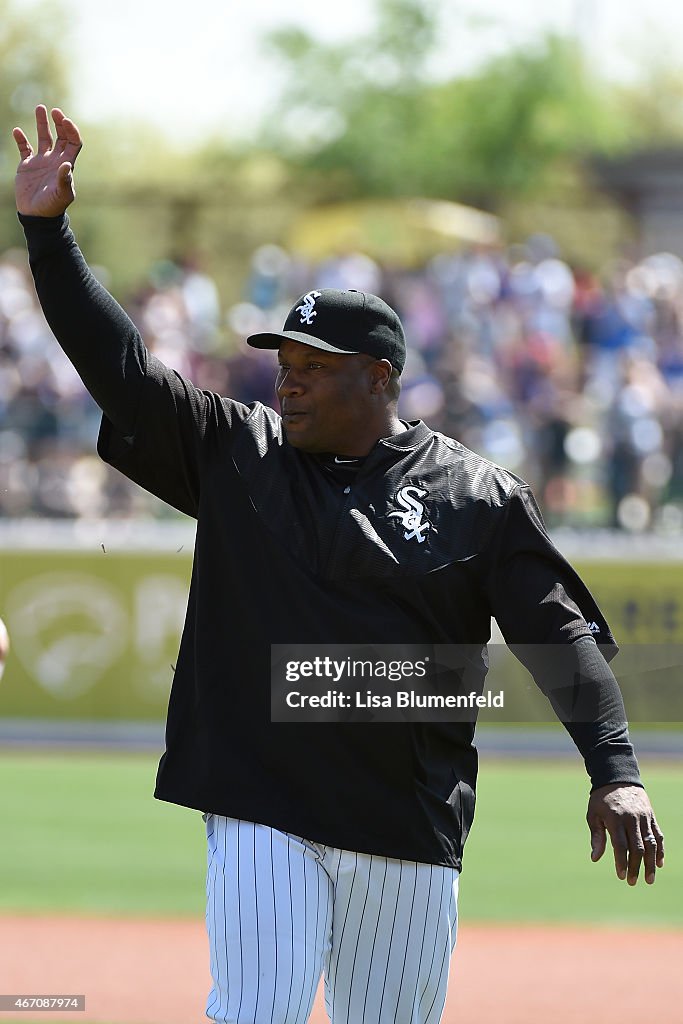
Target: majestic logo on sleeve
306, 307
408, 499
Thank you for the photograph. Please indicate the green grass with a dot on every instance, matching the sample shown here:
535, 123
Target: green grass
82, 833
528, 856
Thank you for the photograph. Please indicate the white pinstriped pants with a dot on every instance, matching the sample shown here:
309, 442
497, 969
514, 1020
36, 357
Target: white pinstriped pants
280, 910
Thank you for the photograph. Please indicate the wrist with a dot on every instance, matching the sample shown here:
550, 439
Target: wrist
29, 218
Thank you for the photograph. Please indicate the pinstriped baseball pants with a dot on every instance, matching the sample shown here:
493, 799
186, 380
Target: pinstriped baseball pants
281, 910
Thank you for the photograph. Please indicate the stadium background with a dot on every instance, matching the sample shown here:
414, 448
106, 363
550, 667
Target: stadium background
543, 314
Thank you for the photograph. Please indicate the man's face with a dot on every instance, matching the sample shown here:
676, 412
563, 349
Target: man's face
327, 400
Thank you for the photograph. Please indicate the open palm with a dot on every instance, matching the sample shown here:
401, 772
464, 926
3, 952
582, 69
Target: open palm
44, 182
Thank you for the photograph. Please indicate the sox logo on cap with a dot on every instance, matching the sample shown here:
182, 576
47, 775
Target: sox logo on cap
306, 307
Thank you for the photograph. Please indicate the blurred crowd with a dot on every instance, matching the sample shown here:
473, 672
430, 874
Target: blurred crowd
573, 380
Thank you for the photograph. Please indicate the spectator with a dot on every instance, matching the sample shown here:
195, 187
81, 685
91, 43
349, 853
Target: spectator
573, 379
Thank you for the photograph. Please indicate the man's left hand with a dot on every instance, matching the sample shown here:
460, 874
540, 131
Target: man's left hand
626, 813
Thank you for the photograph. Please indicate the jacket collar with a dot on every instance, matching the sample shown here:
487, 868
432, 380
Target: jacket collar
415, 434
387, 450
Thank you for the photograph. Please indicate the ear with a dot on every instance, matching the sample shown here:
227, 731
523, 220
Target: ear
380, 375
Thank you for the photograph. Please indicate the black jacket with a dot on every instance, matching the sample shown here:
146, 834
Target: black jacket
286, 554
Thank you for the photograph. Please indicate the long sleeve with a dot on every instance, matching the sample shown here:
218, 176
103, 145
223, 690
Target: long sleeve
585, 696
155, 421
553, 625
96, 334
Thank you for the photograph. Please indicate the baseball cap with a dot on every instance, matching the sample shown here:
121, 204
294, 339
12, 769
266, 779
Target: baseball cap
347, 322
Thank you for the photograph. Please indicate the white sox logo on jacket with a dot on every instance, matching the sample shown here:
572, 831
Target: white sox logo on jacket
407, 498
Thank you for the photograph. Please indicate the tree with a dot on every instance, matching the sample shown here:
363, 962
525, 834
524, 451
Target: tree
32, 70
32, 67
339, 96
366, 118
503, 132
652, 107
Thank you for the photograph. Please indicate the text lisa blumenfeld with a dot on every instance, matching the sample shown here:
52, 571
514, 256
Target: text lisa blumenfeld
399, 699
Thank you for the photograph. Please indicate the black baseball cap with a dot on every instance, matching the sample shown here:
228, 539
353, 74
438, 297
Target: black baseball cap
347, 322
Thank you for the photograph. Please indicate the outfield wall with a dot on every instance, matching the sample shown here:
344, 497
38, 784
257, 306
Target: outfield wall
95, 612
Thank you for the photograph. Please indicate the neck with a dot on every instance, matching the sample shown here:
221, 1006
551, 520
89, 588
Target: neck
387, 427
394, 425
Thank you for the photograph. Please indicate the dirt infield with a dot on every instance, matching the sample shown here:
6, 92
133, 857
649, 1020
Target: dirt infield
155, 972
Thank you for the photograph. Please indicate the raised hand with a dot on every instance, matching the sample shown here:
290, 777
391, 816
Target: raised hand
44, 183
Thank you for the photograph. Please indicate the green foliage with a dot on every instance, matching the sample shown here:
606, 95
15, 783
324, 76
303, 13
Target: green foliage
144, 202
32, 67
508, 126
362, 118
390, 58
33, 70
652, 108
368, 110
343, 100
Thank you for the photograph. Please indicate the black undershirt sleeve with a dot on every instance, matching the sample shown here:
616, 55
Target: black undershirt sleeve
551, 622
584, 694
155, 421
96, 334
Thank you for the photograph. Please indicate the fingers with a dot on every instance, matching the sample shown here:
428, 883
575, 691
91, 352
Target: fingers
44, 133
23, 145
637, 842
69, 140
627, 855
598, 841
67, 145
646, 847
64, 174
626, 813
659, 839
636, 851
620, 846
653, 841
65, 182
650, 851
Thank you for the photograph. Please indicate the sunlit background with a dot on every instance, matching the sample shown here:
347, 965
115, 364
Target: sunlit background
230, 167
510, 178
509, 181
